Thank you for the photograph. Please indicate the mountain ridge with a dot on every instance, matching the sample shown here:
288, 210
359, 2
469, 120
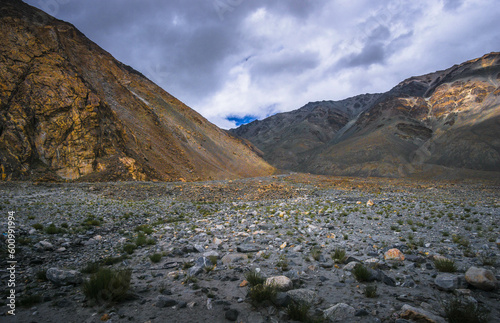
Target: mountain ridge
71, 111
435, 123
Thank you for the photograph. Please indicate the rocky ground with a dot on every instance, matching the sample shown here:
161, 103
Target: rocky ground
255, 250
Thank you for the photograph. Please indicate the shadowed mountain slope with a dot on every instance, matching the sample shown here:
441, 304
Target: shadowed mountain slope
69, 110
433, 125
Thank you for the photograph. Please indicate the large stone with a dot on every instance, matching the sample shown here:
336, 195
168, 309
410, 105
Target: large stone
282, 283
415, 314
449, 282
481, 278
64, 277
232, 315
246, 248
394, 255
233, 258
304, 296
44, 246
340, 312
164, 301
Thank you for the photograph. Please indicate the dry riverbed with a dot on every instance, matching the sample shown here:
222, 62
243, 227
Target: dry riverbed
274, 249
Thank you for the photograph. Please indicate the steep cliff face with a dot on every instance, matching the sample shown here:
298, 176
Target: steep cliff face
69, 110
434, 125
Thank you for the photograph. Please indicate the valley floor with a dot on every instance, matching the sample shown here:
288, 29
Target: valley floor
191, 246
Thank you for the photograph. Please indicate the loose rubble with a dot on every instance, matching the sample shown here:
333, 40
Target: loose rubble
190, 247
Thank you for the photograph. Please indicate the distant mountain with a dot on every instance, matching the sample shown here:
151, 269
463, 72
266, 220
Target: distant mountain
69, 110
444, 124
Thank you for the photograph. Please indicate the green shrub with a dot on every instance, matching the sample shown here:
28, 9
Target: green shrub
298, 312
91, 268
38, 226
361, 273
371, 291
52, 229
30, 300
261, 293
129, 248
339, 255
113, 260
316, 253
144, 228
155, 257
108, 285
282, 263
141, 239
460, 310
254, 278
445, 265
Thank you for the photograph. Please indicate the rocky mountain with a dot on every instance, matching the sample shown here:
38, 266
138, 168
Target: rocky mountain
444, 124
69, 110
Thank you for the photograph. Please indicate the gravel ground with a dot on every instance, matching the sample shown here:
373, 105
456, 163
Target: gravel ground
209, 236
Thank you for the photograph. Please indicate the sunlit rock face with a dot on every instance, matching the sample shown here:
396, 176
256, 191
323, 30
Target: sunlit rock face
443, 124
70, 111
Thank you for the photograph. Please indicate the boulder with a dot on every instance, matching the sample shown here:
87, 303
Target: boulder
64, 277
233, 257
415, 314
164, 301
449, 282
282, 283
304, 296
481, 278
394, 255
340, 312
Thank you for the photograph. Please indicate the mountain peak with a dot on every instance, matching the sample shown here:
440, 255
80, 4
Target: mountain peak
69, 110
429, 125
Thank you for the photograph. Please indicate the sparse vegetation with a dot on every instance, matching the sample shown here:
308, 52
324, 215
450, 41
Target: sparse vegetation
261, 293
370, 291
445, 265
30, 300
361, 273
155, 258
298, 312
254, 278
38, 226
108, 285
91, 268
339, 255
282, 263
52, 229
316, 253
460, 310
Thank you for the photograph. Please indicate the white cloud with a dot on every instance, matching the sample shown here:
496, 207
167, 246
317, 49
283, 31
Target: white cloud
263, 57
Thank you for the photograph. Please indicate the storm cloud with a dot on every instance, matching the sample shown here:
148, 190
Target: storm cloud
230, 59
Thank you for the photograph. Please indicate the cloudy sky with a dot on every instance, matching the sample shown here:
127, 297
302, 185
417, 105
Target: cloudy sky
234, 60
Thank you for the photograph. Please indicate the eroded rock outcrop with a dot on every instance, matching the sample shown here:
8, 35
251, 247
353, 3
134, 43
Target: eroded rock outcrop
69, 110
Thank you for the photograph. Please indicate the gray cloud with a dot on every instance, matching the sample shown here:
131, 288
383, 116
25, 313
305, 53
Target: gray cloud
284, 63
222, 56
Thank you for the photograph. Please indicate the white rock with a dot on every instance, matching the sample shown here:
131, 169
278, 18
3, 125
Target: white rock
340, 312
281, 282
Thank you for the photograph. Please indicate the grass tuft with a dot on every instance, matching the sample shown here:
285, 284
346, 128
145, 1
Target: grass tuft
91, 268
371, 291
298, 312
445, 265
155, 258
254, 278
261, 293
108, 285
460, 310
339, 255
30, 300
361, 273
